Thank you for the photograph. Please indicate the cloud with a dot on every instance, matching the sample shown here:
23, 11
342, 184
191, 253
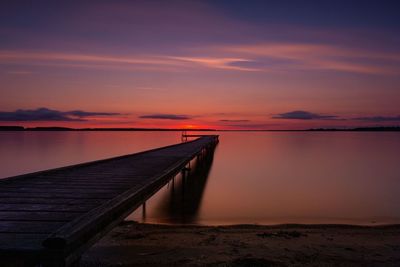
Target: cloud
218, 63
379, 119
45, 114
165, 117
303, 115
81, 114
141, 61
234, 120
306, 56
252, 57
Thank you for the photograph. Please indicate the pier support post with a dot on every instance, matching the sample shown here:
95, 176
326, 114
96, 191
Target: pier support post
144, 211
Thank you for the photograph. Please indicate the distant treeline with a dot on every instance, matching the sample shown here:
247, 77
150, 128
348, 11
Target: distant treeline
359, 129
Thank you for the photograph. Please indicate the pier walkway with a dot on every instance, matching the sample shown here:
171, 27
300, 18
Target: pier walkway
50, 218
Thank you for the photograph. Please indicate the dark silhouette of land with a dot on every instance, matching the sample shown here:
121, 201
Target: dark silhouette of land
361, 129
11, 128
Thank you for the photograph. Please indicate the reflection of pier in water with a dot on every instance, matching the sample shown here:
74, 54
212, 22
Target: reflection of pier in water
182, 202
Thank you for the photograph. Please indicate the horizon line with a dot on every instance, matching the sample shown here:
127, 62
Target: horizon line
57, 128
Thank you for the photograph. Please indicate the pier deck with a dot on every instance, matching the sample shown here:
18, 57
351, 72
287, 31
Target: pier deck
52, 217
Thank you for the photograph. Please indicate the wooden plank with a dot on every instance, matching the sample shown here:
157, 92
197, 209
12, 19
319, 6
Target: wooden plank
38, 227
71, 181
47, 207
89, 183
51, 195
55, 190
38, 216
39, 200
59, 186
14, 242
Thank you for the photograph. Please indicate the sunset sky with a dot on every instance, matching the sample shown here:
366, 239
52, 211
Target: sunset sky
201, 64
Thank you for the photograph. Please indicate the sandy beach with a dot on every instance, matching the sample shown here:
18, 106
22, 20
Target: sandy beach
136, 244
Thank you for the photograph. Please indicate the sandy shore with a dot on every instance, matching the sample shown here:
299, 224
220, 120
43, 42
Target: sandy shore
134, 244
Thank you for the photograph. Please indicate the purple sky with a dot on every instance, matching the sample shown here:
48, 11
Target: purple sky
210, 64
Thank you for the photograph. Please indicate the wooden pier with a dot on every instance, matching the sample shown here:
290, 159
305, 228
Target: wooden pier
50, 218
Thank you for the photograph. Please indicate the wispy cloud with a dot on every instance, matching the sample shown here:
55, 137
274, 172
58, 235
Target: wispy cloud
217, 63
45, 114
164, 62
304, 56
304, 115
379, 119
259, 57
165, 117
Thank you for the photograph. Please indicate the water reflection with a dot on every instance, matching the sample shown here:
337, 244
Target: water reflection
181, 201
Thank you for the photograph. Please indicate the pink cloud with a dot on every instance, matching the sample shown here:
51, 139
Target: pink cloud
88, 60
218, 63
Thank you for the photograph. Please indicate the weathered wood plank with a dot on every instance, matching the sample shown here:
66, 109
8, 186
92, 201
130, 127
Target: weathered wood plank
38, 227
38, 216
60, 185
14, 242
47, 207
126, 182
85, 183
56, 190
51, 195
39, 200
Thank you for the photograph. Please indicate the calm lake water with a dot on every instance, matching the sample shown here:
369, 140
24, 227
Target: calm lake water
254, 177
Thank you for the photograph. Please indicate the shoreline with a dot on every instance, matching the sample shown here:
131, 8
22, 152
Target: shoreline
138, 244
